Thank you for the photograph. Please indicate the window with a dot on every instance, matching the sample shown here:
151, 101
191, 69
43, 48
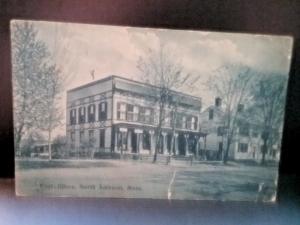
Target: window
121, 111
254, 134
72, 136
244, 130
179, 121
243, 147
211, 114
81, 136
73, 116
91, 136
183, 122
102, 138
91, 113
81, 116
167, 119
194, 122
189, 122
220, 131
102, 111
148, 114
142, 115
135, 113
130, 112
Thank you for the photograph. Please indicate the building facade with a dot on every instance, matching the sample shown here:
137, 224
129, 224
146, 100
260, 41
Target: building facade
119, 115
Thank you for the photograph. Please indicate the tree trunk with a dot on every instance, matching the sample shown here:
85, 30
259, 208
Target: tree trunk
264, 152
156, 146
49, 145
226, 153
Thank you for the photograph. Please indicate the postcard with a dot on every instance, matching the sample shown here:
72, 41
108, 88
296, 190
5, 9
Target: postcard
127, 112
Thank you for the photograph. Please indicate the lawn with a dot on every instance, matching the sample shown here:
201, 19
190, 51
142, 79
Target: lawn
135, 179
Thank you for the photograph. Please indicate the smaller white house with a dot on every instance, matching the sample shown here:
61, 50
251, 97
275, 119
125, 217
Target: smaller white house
246, 144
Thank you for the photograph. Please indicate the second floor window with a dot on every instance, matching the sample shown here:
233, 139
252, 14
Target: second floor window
103, 111
211, 114
220, 131
183, 122
142, 115
121, 111
81, 116
91, 113
149, 115
130, 112
244, 130
189, 122
194, 123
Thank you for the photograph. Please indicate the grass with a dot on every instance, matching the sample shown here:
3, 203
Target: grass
200, 181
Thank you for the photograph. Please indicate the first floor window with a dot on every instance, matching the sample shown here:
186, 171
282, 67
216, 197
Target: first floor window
73, 116
91, 136
243, 147
81, 136
102, 138
72, 136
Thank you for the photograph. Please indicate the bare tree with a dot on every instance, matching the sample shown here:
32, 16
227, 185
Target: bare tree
28, 56
165, 73
233, 83
268, 108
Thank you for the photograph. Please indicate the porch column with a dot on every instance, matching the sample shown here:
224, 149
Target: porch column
197, 146
152, 142
123, 132
205, 158
165, 149
176, 143
116, 140
186, 136
129, 137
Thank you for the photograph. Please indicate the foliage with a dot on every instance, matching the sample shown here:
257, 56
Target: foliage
267, 108
37, 84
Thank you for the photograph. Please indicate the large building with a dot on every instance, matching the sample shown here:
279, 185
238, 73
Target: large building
119, 115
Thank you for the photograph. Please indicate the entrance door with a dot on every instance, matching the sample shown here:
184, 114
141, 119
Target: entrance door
134, 142
181, 144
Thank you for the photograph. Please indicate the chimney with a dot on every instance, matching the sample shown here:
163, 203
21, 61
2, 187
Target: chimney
218, 102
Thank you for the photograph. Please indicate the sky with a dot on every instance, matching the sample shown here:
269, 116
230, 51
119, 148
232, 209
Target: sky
78, 49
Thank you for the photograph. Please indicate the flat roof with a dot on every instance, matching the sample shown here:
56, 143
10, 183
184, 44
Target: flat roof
111, 77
